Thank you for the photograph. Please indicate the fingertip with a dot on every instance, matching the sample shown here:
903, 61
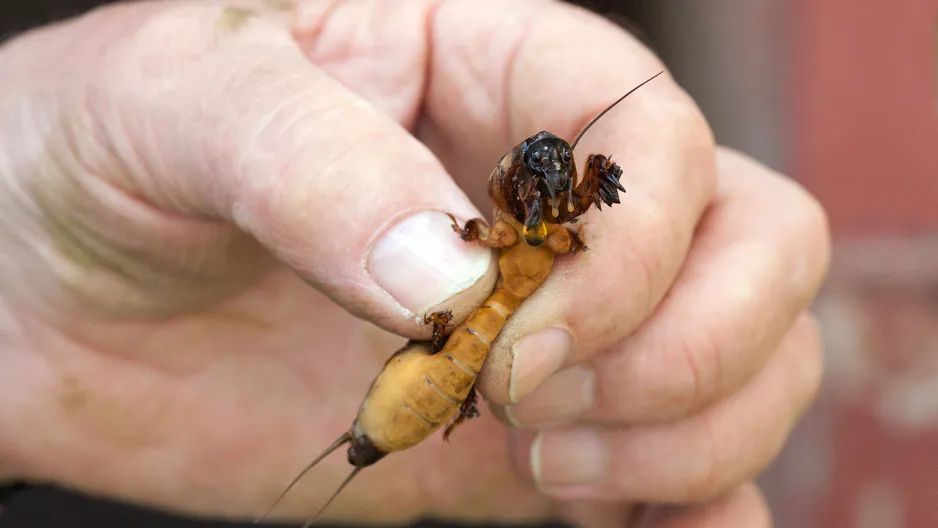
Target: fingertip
744, 507
522, 453
808, 359
465, 300
534, 344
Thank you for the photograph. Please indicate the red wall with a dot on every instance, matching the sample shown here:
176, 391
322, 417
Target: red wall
866, 143
867, 111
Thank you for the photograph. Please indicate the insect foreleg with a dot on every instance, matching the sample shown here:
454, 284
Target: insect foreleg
601, 181
501, 235
562, 239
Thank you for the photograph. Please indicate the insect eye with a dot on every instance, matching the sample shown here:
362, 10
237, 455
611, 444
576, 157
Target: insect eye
566, 156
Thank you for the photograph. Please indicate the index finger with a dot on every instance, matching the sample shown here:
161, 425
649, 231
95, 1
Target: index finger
503, 72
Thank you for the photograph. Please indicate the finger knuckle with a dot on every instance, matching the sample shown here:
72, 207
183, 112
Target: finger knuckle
181, 29
809, 215
808, 231
693, 125
673, 385
653, 258
695, 136
810, 352
702, 371
187, 33
167, 46
816, 228
713, 474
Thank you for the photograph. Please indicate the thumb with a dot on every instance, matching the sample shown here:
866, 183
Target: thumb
245, 128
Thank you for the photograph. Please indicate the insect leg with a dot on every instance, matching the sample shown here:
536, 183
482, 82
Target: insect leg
601, 181
440, 322
467, 411
576, 241
564, 240
501, 235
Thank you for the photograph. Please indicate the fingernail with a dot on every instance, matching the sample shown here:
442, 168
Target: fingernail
564, 396
421, 262
567, 458
535, 358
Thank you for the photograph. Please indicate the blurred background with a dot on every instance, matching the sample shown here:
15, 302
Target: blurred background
841, 95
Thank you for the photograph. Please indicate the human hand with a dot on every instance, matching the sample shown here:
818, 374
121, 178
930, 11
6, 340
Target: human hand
169, 182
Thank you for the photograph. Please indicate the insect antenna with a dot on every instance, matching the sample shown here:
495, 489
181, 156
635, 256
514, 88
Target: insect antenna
332, 498
608, 108
346, 437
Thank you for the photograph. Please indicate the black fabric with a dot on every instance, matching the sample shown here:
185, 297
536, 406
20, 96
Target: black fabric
8, 490
17, 16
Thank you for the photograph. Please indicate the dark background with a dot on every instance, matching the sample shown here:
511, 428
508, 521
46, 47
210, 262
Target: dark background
42, 507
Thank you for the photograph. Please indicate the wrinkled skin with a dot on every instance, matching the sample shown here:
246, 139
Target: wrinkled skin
194, 290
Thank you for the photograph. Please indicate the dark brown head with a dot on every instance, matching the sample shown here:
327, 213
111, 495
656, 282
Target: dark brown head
534, 183
548, 160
